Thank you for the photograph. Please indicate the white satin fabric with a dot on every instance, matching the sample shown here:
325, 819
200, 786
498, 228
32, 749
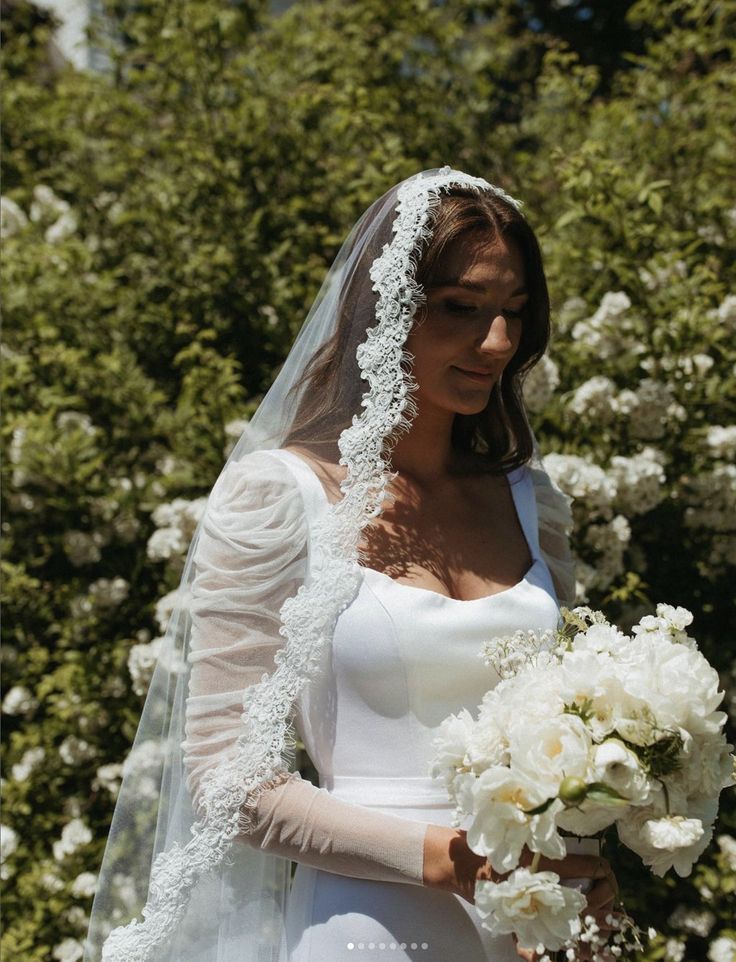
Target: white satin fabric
402, 659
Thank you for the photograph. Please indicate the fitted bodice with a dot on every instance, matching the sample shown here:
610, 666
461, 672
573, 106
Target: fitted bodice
403, 658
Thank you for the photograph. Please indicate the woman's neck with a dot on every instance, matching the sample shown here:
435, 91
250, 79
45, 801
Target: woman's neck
426, 453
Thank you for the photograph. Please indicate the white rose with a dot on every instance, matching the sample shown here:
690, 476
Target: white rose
165, 607
618, 767
12, 217
671, 841
722, 949
84, 885
589, 818
727, 846
29, 762
672, 832
8, 845
73, 835
540, 384
70, 950
501, 826
19, 701
601, 639
532, 905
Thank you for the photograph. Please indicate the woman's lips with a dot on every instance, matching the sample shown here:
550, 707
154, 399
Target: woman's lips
476, 375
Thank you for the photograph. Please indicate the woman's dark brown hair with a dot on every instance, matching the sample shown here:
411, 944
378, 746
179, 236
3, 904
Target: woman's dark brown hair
332, 388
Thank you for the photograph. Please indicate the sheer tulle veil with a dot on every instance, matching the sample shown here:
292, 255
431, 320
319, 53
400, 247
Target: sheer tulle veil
179, 882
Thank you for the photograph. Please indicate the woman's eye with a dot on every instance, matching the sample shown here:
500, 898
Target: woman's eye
514, 314
458, 308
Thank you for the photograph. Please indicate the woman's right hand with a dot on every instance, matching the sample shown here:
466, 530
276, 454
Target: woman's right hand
450, 865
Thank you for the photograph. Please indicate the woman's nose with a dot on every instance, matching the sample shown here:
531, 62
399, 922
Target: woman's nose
498, 336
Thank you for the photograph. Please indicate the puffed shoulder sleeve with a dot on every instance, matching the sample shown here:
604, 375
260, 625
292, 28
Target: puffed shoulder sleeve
250, 557
555, 525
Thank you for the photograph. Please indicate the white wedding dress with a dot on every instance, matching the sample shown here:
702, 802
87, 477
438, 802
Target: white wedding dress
402, 659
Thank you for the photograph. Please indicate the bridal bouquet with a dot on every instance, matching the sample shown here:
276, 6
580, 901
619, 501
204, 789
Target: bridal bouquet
588, 727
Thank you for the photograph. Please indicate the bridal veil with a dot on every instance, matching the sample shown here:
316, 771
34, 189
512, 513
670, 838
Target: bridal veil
253, 622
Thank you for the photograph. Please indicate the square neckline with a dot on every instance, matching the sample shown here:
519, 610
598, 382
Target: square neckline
512, 485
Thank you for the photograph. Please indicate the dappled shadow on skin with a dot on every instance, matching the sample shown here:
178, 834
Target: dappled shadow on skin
468, 544
394, 545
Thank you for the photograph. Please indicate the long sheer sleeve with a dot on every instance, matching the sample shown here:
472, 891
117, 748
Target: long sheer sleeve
251, 556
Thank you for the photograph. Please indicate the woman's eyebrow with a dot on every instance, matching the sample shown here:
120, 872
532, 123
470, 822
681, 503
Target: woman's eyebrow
471, 285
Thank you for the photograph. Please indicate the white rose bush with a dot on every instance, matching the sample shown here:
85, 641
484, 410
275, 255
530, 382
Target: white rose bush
589, 729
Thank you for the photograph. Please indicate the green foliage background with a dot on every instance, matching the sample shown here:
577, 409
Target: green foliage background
213, 172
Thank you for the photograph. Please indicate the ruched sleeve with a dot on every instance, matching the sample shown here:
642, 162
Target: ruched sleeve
251, 556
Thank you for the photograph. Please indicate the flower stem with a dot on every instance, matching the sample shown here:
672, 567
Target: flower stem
535, 862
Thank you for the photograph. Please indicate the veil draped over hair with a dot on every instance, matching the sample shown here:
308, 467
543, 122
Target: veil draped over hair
257, 606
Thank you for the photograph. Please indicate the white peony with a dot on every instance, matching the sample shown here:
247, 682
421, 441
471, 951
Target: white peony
451, 745
708, 764
548, 754
589, 818
502, 826
534, 906
487, 745
677, 682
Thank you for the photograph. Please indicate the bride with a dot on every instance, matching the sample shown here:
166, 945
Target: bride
384, 513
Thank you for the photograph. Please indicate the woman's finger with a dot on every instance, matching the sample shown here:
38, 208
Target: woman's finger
601, 894
528, 954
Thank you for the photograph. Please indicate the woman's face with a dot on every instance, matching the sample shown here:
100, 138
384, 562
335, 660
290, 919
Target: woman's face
471, 326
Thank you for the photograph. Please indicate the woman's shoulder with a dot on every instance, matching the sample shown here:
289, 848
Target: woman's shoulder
261, 484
